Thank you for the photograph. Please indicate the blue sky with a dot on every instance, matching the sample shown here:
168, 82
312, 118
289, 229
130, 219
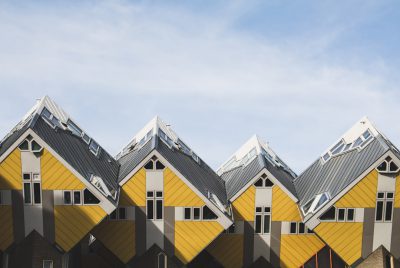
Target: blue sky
297, 73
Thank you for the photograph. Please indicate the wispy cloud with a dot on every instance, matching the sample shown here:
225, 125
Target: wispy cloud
217, 79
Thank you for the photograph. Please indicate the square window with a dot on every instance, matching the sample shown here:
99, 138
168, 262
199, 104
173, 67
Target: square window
36, 177
389, 195
381, 195
113, 215
267, 209
258, 209
150, 194
27, 176
159, 194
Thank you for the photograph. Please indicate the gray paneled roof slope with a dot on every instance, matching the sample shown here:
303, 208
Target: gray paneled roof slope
70, 145
344, 162
248, 161
156, 135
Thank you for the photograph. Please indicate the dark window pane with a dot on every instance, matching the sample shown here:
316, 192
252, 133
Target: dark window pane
27, 193
77, 197
381, 195
293, 227
113, 215
208, 214
159, 165
341, 214
259, 183
383, 166
329, 215
24, 146
301, 228
150, 194
231, 229
196, 213
37, 194
379, 211
350, 214
159, 209
267, 209
389, 195
393, 167
27, 176
310, 231
161, 261
149, 165
150, 209
35, 146
388, 212
122, 213
258, 209
266, 224
258, 224
188, 213
268, 183
67, 198
159, 194
89, 198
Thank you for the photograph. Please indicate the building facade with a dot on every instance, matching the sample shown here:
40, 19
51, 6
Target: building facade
66, 202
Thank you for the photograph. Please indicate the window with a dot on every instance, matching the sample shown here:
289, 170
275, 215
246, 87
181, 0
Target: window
94, 147
329, 215
32, 189
315, 203
24, 146
263, 182
388, 166
49, 118
188, 213
47, 264
339, 214
196, 213
384, 207
67, 198
119, 214
263, 220
86, 138
74, 128
208, 214
154, 164
154, 205
30, 145
231, 229
299, 228
122, 213
89, 198
162, 260
77, 198
350, 214
36, 148
293, 227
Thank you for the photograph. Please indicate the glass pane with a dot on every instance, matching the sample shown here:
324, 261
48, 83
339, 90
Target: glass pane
159, 194
258, 209
150, 209
159, 209
47, 264
267, 209
258, 224
27, 176
37, 194
389, 195
381, 195
268, 183
341, 213
329, 215
196, 213
35, 146
67, 198
393, 166
113, 215
149, 165
266, 224
388, 212
89, 198
259, 183
150, 194
159, 165
187, 213
77, 197
293, 227
379, 211
27, 193
122, 213
383, 166
301, 228
24, 146
161, 261
350, 214
208, 214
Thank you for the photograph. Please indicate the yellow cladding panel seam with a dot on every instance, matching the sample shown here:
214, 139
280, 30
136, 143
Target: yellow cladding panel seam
117, 236
55, 176
133, 192
363, 194
345, 238
11, 172
6, 227
191, 237
72, 223
397, 193
243, 206
177, 193
298, 249
227, 249
283, 207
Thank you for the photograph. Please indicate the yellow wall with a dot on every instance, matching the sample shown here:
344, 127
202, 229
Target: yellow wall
345, 238
133, 192
117, 236
11, 172
298, 249
283, 207
6, 227
397, 193
191, 237
55, 176
177, 193
244, 205
228, 250
363, 194
72, 223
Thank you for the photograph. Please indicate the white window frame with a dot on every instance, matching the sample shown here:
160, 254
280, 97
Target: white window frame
155, 199
385, 200
264, 179
262, 214
32, 183
346, 217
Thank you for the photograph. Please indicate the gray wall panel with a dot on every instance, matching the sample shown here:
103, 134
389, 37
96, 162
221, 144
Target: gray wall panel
395, 245
140, 237
368, 231
18, 215
48, 216
169, 230
248, 243
275, 243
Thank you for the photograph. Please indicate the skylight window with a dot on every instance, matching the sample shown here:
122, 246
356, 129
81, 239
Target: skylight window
94, 147
50, 118
388, 166
315, 203
100, 185
74, 128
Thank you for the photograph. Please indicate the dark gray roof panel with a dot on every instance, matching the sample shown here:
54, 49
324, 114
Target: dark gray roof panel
336, 174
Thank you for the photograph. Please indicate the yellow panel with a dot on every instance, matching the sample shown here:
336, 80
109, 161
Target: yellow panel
6, 227
55, 176
298, 249
133, 192
345, 238
11, 172
283, 207
397, 193
363, 194
177, 193
191, 237
243, 206
227, 249
72, 223
117, 236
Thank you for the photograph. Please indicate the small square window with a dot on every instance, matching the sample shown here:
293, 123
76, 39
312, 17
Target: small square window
159, 194
267, 209
36, 177
27, 176
258, 209
389, 195
381, 195
150, 194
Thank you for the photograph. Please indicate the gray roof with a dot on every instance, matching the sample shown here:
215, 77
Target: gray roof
341, 170
73, 150
238, 177
199, 174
